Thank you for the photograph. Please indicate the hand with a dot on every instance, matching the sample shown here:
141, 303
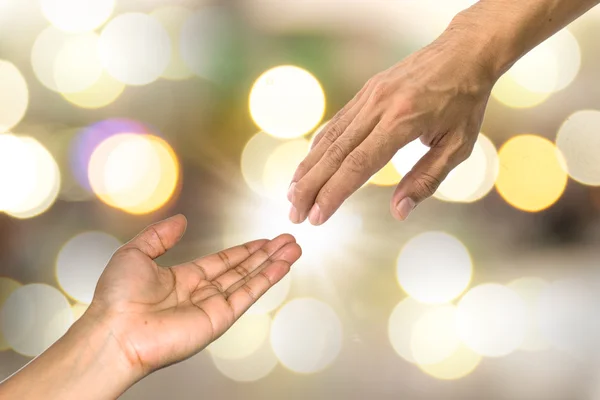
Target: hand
438, 94
159, 315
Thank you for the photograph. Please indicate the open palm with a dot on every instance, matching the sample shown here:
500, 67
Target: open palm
164, 315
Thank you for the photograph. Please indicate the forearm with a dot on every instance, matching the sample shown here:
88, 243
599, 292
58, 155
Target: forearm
87, 363
502, 31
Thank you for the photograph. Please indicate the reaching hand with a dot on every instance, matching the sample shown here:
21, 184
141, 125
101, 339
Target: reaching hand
438, 94
161, 315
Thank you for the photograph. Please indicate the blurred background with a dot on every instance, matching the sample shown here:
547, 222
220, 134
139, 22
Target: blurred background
117, 113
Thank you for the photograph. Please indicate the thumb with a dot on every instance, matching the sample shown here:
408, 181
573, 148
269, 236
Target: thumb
157, 239
423, 180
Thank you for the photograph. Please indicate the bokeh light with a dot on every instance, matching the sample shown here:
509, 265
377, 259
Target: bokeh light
29, 177
274, 297
400, 326
244, 338
172, 19
14, 96
135, 173
34, 317
530, 288
492, 168
458, 365
406, 158
7, 286
280, 167
256, 366
77, 15
306, 335
287, 102
78, 310
254, 159
102, 93
508, 92
579, 142
434, 337
387, 176
434, 267
532, 176
134, 48
491, 320
81, 261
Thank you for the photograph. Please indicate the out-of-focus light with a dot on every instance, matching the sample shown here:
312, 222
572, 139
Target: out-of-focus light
434, 336
34, 317
316, 132
434, 267
86, 141
306, 335
579, 143
400, 325
135, 173
256, 366
134, 48
458, 365
172, 19
7, 286
492, 168
406, 158
14, 96
243, 339
102, 93
254, 158
77, 15
81, 261
387, 176
532, 176
287, 102
273, 298
280, 167
29, 177
78, 310
508, 92
64, 62
530, 289
491, 320
567, 317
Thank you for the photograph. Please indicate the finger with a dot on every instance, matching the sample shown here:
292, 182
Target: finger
306, 189
329, 134
157, 239
210, 267
372, 155
426, 176
244, 296
243, 271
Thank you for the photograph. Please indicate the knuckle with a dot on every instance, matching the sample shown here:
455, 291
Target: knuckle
335, 155
334, 131
379, 93
426, 184
357, 161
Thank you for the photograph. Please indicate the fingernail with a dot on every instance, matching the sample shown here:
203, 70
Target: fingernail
290, 192
294, 215
314, 216
405, 207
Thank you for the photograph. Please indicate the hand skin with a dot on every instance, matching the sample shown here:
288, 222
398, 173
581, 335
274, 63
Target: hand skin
144, 317
438, 94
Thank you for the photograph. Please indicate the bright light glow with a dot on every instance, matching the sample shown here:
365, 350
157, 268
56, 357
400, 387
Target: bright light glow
406, 158
64, 62
243, 339
14, 96
400, 325
77, 15
78, 310
102, 93
254, 158
530, 289
81, 261
136, 173
492, 168
172, 19
134, 48
273, 298
491, 320
249, 369
29, 177
567, 316
460, 364
579, 142
434, 267
434, 336
316, 132
306, 335
387, 176
287, 102
280, 168
508, 92
7, 287
34, 317
532, 175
